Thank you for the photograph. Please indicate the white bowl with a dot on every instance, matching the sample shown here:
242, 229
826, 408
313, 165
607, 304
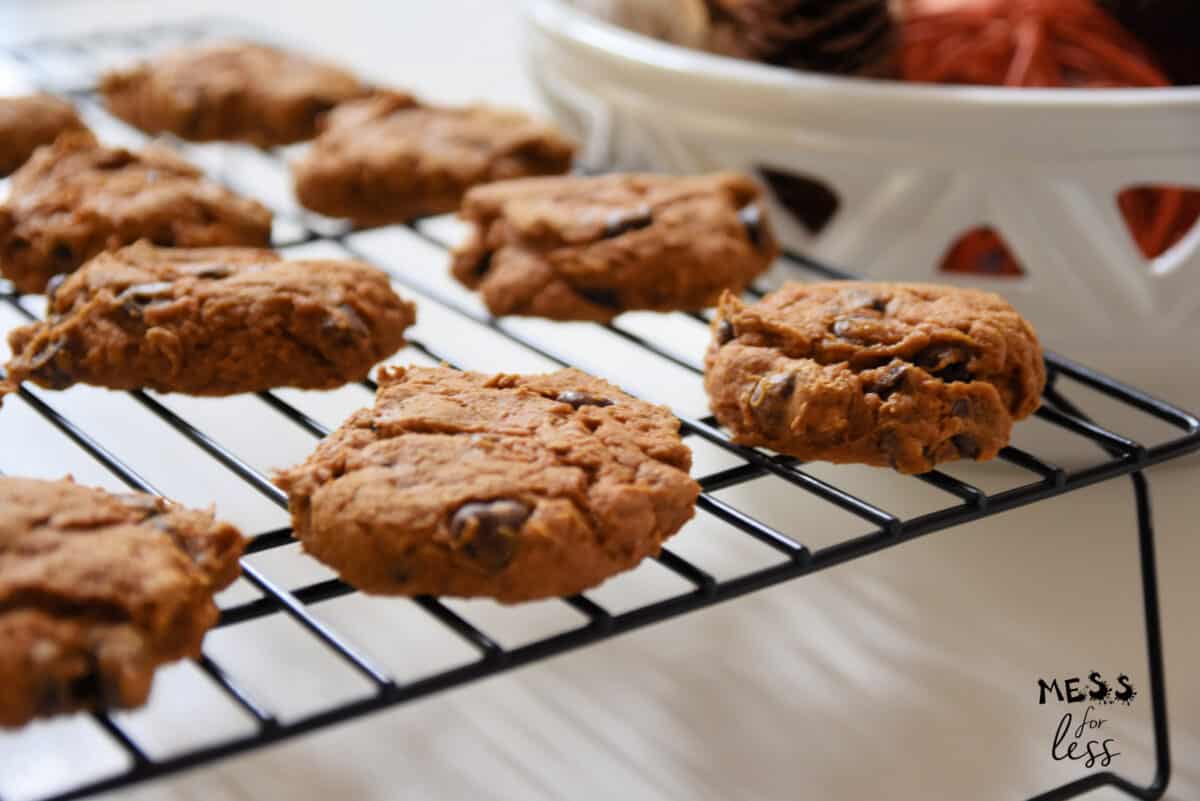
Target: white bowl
914, 167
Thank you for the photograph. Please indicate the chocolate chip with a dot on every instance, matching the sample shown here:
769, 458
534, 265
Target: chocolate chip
622, 222
936, 357
776, 385
887, 382
960, 408
212, 272
489, 530
725, 332
770, 396
45, 369
954, 372
863, 299
139, 297
484, 264
606, 298
576, 398
318, 106
145, 293
346, 324
751, 219
114, 159
946, 362
968, 446
62, 253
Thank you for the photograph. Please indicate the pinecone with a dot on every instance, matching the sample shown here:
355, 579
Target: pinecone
849, 37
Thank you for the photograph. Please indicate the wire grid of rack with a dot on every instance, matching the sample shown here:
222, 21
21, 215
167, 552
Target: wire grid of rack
69, 67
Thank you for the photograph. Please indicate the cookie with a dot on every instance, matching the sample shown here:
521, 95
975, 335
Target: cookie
77, 198
506, 486
900, 375
229, 91
388, 159
98, 590
27, 123
591, 248
211, 321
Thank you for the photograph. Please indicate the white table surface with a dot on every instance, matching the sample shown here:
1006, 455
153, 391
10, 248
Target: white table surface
908, 674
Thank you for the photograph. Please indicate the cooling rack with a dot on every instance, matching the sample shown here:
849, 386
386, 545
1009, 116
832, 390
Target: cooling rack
669, 347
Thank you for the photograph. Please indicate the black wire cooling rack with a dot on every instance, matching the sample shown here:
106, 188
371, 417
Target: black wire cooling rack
69, 67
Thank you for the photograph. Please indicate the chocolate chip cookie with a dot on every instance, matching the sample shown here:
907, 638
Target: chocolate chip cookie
77, 198
27, 123
906, 375
229, 91
388, 158
98, 590
211, 321
507, 486
591, 248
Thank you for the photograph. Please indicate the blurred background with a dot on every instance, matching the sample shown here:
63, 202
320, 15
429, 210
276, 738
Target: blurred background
912, 673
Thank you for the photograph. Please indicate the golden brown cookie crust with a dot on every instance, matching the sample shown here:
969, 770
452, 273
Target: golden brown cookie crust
388, 159
229, 91
900, 375
590, 248
506, 486
76, 198
27, 123
212, 321
98, 590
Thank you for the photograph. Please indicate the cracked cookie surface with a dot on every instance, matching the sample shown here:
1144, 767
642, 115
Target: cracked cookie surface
590, 248
28, 122
506, 486
97, 590
77, 198
900, 375
229, 91
388, 158
212, 321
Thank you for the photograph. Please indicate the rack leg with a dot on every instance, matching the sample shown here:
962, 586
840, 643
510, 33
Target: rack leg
1154, 647
1154, 656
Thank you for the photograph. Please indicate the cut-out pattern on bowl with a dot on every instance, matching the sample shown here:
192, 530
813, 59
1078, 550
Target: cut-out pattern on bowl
1158, 217
811, 202
981, 251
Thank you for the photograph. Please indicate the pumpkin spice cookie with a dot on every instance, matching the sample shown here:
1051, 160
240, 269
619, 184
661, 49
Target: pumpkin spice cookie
229, 91
388, 158
27, 123
506, 486
77, 198
97, 591
900, 375
211, 321
590, 248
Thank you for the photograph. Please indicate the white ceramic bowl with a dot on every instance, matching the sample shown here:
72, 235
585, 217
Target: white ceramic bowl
915, 167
